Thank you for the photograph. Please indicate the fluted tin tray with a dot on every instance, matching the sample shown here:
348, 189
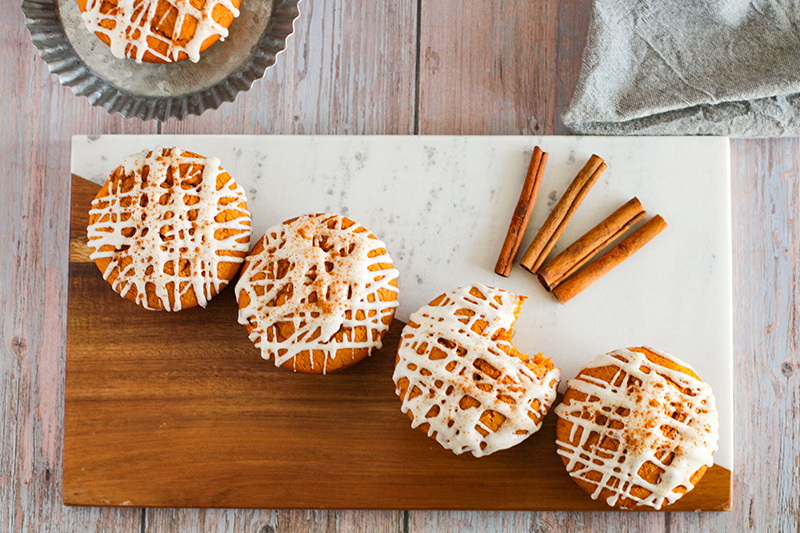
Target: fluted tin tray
159, 91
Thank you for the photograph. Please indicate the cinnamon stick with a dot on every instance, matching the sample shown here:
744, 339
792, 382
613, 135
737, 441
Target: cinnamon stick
591, 273
562, 213
522, 213
584, 249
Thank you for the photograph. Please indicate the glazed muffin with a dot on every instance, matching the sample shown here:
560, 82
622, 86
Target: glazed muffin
169, 229
159, 31
317, 293
463, 382
637, 428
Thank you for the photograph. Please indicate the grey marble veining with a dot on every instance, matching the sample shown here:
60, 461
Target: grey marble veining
442, 205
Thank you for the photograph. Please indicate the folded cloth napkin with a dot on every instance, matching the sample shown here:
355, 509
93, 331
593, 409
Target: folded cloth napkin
708, 67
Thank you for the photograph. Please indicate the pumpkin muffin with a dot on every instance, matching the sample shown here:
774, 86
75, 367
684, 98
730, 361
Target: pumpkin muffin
637, 428
169, 229
159, 31
317, 293
463, 382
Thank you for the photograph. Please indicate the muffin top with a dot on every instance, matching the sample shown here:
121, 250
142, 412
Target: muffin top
317, 293
159, 31
169, 229
637, 428
462, 380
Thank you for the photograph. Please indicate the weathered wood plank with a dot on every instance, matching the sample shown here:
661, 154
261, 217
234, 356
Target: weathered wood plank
766, 336
490, 522
266, 521
349, 68
498, 66
504, 67
38, 118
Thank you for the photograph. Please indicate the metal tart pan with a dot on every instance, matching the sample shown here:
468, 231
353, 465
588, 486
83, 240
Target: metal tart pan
82, 62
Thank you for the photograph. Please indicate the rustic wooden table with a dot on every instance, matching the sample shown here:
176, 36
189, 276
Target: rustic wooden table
366, 67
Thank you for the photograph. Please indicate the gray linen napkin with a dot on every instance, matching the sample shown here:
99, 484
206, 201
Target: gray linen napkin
668, 67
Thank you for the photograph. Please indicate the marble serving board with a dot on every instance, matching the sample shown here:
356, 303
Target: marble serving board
442, 204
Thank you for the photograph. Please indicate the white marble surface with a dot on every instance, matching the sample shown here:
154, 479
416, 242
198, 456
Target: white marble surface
442, 205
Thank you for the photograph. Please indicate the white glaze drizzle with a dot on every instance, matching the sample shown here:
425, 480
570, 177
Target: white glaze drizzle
650, 393
134, 21
456, 428
163, 234
343, 292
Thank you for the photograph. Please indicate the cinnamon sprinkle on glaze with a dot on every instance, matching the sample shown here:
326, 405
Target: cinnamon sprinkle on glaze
136, 27
322, 278
463, 382
170, 222
641, 437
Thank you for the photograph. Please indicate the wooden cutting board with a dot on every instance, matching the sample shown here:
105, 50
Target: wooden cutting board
179, 410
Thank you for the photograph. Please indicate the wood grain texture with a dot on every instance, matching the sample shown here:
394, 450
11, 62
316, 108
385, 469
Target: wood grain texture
766, 295
491, 67
270, 521
498, 67
348, 68
179, 410
38, 117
